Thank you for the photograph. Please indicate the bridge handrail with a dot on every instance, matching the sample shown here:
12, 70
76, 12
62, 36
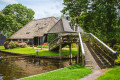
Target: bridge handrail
114, 52
51, 44
82, 49
54, 40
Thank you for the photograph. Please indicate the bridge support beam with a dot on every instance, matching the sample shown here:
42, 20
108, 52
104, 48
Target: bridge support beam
70, 51
60, 51
78, 54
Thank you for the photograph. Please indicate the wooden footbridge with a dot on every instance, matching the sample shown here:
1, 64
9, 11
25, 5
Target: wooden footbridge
92, 52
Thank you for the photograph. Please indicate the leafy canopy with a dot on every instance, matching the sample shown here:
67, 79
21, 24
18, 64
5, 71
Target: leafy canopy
13, 17
100, 17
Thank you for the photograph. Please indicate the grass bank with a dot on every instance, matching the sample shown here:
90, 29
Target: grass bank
74, 72
42, 52
111, 74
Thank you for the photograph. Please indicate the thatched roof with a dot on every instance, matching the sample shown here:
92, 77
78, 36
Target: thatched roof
62, 26
35, 28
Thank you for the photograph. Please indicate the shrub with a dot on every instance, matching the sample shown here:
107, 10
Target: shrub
44, 46
51, 37
117, 61
74, 45
12, 45
23, 42
67, 46
6, 44
116, 47
19, 41
22, 45
35, 45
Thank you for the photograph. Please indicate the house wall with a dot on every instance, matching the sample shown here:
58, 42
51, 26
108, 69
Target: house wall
42, 40
33, 41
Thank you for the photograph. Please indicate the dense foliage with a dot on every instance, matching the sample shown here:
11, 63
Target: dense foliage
13, 17
22, 45
51, 37
14, 44
44, 45
100, 17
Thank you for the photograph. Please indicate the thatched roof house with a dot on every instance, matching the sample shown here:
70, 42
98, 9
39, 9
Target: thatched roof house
35, 31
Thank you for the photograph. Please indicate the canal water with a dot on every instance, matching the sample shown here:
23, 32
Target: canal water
15, 67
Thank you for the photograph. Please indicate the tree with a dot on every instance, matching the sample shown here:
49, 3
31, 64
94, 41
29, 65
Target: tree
99, 17
13, 17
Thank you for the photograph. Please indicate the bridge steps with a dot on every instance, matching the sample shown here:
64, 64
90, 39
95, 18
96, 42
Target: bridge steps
96, 60
89, 60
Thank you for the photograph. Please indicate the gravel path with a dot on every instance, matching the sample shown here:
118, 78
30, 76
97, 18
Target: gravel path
94, 75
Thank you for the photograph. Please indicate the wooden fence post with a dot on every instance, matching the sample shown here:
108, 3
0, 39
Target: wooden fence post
78, 54
70, 51
60, 51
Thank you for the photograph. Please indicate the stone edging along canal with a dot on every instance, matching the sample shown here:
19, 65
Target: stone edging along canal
37, 56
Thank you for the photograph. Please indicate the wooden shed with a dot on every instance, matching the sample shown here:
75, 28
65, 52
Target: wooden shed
2, 39
35, 31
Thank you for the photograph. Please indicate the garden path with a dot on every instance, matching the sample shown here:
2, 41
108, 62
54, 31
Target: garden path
94, 75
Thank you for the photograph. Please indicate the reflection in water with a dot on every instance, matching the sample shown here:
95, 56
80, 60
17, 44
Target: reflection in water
14, 67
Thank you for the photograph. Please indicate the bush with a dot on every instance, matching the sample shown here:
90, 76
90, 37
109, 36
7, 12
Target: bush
74, 45
116, 47
6, 45
12, 45
22, 45
51, 37
67, 46
23, 42
44, 46
117, 61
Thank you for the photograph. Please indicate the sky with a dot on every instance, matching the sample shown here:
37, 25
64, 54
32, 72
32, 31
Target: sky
42, 8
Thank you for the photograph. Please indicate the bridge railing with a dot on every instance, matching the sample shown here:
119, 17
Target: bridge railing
82, 50
54, 43
70, 38
105, 50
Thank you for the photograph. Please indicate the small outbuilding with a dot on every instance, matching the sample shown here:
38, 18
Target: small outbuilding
62, 26
2, 39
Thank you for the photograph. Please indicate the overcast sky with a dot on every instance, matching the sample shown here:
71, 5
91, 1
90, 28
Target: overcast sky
42, 8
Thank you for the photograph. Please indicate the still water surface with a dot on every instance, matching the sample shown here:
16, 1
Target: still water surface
15, 67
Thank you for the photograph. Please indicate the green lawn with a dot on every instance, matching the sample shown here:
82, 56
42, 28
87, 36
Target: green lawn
111, 74
74, 72
42, 52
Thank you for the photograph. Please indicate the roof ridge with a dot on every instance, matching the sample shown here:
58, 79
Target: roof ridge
62, 24
45, 18
54, 24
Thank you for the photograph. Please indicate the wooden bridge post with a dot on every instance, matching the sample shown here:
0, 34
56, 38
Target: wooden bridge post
70, 51
78, 54
60, 51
